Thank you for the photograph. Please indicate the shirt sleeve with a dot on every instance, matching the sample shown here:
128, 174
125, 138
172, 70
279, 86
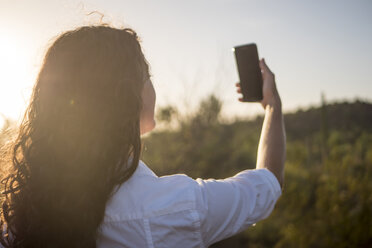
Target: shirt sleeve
229, 206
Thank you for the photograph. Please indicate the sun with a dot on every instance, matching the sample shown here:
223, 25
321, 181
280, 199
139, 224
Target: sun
15, 75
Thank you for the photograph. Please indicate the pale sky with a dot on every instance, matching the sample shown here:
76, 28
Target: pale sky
311, 46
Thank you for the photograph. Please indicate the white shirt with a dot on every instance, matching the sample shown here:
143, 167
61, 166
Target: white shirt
178, 211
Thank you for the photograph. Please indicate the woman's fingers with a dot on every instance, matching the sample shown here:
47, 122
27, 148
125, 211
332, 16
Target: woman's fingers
237, 86
239, 90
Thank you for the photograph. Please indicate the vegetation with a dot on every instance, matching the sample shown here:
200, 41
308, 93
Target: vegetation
327, 197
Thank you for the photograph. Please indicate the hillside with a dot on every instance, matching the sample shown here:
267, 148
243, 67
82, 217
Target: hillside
344, 116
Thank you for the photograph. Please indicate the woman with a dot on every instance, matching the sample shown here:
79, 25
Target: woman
77, 179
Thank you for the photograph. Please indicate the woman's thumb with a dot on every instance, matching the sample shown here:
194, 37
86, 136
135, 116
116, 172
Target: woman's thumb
262, 64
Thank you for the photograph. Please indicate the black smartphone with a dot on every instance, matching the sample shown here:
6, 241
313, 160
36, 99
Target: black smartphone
249, 72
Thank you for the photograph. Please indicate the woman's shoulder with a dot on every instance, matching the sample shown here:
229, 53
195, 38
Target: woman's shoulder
146, 194
175, 181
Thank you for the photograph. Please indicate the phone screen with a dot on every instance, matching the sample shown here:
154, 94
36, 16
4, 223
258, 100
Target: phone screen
249, 72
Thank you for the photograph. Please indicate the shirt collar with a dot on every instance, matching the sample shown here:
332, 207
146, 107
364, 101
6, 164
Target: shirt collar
143, 169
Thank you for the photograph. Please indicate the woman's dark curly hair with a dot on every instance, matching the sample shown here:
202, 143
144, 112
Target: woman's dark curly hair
79, 138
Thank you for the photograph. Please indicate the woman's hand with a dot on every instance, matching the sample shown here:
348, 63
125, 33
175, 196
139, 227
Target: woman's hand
270, 94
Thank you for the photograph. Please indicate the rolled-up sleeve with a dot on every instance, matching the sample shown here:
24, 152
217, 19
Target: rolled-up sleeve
229, 206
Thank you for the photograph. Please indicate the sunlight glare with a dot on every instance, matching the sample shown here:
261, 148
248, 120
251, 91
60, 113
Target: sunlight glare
15, 76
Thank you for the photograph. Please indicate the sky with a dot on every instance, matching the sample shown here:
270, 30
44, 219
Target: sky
313, 47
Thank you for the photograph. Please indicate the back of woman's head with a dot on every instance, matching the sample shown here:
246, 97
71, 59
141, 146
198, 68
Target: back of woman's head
80, 137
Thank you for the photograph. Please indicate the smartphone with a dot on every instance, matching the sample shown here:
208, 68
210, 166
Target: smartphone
249, 72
